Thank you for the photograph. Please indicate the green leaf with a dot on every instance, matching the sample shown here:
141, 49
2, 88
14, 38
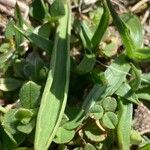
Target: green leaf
116, 71
126, 92
135, 27
142, 54
38, 40
101, 29
19, 23
144, 93
89, 146
84, 32
9, 121
75, 119
110, 120
26, 128
4, 58
57, 9
29, 95
87, 64
132, 50
124, 125
109, 104
98, 76
9, 31
44, 30
136, 81
34, 67
145, 78
35, 7
93, 132
63, 135
96, 111
23, 115
123, 30
54, 97
9, 84
145, 147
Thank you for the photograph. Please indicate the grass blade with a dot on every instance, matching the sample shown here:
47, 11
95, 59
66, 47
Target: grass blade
36, 39
124, 125
19, 23
55, 93
84, 32
101, 29
123, 30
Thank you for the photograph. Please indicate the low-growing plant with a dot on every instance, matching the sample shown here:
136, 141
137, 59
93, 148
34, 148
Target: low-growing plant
65, 90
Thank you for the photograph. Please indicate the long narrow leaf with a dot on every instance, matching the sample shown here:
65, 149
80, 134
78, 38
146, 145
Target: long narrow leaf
19, 23
142, 54
84, 33
124, 125
124, 32
36, 39
101, 29
55, 93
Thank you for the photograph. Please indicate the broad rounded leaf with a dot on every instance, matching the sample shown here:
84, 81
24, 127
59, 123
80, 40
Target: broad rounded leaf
23, 115
9, 121
26, 128
96, 111
29, 95
109, 104
63, 135
110, 120
94, 133
89, 146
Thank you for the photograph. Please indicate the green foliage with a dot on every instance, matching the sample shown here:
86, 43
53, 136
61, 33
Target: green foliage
63, 135
110, 120
93, 132
124, 125
96, 111
35, 7
29, 95
87, 64
135, 27
50, 102
109, 104
9, 84
89, 146
128, 33
57, 8
54, 98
